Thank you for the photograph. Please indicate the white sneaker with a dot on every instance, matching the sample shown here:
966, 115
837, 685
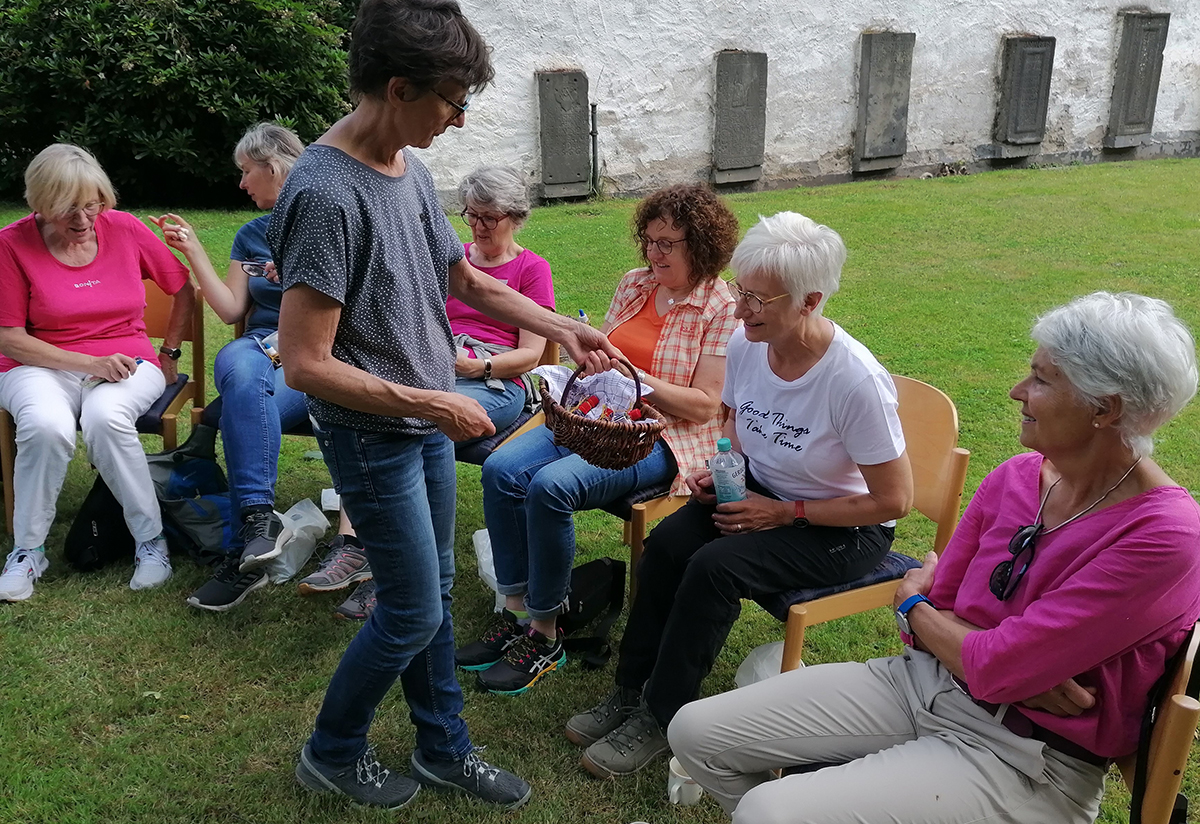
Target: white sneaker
151, 564
21, 569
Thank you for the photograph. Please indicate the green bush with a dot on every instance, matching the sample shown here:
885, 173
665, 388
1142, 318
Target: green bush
161, 90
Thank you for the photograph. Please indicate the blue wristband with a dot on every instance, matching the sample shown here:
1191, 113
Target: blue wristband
910, 602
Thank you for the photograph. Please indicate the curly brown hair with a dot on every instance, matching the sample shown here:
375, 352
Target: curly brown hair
709, 227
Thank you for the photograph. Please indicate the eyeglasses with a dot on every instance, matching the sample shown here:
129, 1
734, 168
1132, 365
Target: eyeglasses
459, 108
753, 302
471, 218
90, 209
254, 270
1003, 583
664, 246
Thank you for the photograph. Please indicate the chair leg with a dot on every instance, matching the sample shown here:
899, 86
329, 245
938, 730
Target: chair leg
169, 433
626, 533
8, 457
636, 527
793, 639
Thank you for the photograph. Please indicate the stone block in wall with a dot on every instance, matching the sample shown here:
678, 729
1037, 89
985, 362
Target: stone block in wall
566, 153
884, 77
1024, 95
740, 120
1135, 84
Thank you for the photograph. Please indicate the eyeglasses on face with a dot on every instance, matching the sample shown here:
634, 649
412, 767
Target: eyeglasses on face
487, 221
753, 302
1004, 582
664, 246
90, 209
459, 108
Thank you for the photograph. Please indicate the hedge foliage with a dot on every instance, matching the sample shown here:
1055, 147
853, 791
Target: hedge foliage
161, 90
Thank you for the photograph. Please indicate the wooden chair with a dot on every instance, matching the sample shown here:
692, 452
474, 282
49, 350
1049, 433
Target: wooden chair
1170, 741
939, 466
161, 418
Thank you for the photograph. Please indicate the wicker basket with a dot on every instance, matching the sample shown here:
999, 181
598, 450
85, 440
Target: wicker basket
606, 444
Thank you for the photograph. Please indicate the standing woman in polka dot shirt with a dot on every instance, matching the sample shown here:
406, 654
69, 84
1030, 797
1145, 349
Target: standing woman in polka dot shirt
368, 259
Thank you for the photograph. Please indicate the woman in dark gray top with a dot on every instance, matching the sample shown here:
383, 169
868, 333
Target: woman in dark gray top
368, 259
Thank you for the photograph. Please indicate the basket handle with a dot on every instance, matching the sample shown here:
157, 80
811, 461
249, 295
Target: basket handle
632, 373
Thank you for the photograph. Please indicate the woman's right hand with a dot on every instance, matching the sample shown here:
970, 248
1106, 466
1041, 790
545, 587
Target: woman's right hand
701, 485
461, 418
178, 234
113, 367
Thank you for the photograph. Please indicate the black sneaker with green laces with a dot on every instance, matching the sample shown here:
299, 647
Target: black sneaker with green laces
531, 656
500, 634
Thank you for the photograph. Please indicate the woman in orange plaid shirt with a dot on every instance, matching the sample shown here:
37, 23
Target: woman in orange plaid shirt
672, 320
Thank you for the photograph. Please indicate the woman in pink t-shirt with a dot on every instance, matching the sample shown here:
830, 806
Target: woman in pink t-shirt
74, 351
1033, 643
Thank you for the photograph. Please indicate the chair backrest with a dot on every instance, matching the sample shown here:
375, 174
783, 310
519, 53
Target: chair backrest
939, 465
1170, 741
157, 317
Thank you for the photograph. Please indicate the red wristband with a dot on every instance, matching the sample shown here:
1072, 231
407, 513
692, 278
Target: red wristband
799, 509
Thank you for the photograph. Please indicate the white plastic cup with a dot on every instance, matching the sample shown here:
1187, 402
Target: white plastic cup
682, 789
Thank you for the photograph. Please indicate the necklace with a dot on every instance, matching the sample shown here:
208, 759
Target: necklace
1082, 512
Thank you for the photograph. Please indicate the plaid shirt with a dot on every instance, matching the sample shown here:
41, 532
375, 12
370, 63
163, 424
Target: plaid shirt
699, 325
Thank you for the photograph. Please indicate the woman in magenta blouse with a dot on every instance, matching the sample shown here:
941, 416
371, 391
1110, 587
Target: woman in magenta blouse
74, 350
1032, 644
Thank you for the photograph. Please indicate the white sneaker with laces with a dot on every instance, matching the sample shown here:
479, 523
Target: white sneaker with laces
151, 564
21, 569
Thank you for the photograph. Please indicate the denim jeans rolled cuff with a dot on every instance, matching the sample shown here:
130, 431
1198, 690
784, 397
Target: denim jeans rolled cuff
399, 491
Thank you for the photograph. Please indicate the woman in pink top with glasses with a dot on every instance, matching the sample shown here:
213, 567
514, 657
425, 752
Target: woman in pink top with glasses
1034, 641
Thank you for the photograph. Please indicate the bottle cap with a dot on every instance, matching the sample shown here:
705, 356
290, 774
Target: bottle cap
724, 445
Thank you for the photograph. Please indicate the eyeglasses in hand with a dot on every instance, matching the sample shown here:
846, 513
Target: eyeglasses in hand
254, 270
753, 302
1003, 582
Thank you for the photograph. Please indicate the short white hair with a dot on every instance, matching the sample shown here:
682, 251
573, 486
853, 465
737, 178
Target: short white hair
64, 175
1126, 345
806, 256
269, 144
502, 188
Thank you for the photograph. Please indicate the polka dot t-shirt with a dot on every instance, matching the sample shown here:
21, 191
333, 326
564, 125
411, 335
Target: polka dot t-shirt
382, 247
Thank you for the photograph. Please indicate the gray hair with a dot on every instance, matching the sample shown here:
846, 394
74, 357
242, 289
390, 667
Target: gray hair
63, 175
806, 256
502, 188
271, 145
1125, 345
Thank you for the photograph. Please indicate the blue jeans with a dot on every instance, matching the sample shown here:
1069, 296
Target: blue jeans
531, 490
256, 407
502, 406
399, 491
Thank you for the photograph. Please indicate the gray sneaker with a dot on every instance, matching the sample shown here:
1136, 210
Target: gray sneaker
587, 728
475, 777
343, 565
628, 748
265, 535
365, 782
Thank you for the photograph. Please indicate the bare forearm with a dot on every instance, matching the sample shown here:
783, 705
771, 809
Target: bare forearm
22, 347
230, 305
941, 634
505, 365
181, 311
338, 382
685, 402
854, 510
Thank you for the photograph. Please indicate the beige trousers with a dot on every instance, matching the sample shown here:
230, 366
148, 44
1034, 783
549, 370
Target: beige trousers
912, 747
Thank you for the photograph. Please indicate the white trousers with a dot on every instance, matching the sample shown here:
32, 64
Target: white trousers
46, 405
911, 747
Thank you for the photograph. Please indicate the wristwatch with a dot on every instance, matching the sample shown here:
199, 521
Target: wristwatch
906, 633
799, 520
487, 369
173, 354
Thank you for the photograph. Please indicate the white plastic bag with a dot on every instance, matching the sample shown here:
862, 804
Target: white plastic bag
487, 568
762, 663
307, 524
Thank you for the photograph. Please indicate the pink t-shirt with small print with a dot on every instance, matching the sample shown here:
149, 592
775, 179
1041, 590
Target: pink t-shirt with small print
95, 309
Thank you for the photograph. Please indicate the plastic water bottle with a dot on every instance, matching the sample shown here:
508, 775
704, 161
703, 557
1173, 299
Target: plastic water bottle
728, 473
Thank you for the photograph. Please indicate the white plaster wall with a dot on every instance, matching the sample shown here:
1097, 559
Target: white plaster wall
651, 67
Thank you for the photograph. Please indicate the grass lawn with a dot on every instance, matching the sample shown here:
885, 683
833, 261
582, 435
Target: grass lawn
131, 707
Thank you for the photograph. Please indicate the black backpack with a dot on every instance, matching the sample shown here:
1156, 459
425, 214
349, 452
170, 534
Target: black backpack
596, 597
99, 536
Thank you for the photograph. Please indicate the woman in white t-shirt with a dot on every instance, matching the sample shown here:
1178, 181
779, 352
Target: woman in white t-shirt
814, 415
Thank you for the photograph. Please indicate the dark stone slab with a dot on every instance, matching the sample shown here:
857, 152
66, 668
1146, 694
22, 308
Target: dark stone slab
1024, 94
739, 132
566, 153
884, 78
1135, 85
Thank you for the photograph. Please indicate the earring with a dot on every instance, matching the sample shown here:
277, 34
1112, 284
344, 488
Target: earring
1095, 424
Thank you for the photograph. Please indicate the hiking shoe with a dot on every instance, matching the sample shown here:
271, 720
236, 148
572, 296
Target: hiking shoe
587, 728
628, 748
343, 565
264, 535
530, 656
475, 777
502, 631
228, 587
360, 604
366, 782
21, 569
151, 564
